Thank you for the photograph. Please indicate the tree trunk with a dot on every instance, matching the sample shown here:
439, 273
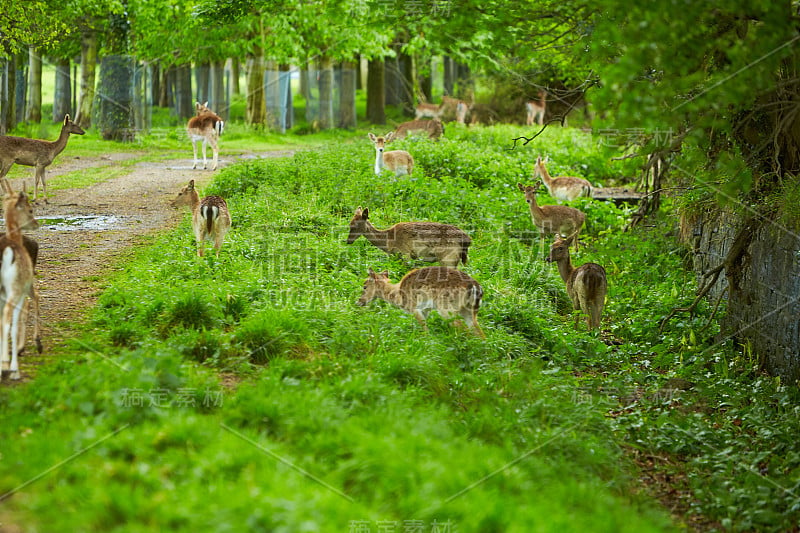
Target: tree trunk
325, 93
256, 108
8, 103
235, 73
34, 109
88, 72
156, 83
115, 117
21, 87
219, 104
272, 95
62, 101
465, 83
184, 101
167, 87
406, 64
376, 91
306, 80
347, 95
425, 78
202, 80
288, 102
391, 81
449, 76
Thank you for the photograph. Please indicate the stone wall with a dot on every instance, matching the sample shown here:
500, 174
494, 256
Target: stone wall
765, 309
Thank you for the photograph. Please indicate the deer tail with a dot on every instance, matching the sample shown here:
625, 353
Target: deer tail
210, 214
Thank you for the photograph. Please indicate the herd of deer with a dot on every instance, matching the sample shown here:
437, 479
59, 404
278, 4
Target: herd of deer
444, 288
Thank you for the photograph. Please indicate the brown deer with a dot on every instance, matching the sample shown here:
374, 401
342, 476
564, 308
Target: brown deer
398, 161
559, 220
562, 188
432, 128
428, 241
35, 153
586, 285
210, 216
16, 280
447, 290
536, 109
206, 127
427, 110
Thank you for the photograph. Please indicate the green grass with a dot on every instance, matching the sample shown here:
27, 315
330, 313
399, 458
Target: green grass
343, 416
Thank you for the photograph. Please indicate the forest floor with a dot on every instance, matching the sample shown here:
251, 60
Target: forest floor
84, 232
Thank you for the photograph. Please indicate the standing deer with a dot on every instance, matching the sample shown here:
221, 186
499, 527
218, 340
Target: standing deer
16, 280
586, 285
427, 110
206, 127
449, 291
35, 153
562, 188
536, 109
428, 241
210, 216
559, 220
432, 128
398, 161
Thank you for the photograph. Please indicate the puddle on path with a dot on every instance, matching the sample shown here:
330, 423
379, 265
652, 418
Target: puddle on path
81, 223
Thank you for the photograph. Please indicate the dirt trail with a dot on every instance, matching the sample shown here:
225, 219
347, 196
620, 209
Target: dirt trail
100, 223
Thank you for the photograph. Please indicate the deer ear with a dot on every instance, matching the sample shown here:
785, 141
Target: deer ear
385, 274
371, 137
66, 119
372, 273
191, 184
365, 213
520, 187
389, 136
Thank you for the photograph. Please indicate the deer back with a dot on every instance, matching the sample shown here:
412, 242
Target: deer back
213, 212
430, 241
446, 289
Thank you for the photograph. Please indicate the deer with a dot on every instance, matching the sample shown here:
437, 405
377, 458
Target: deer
206, 127
35, 153
462, 108
427, 110
560, 220
449, 291
428, 241
586, 285
536, 109
16, 281
398, 161
432, 128
565, 188
210, 216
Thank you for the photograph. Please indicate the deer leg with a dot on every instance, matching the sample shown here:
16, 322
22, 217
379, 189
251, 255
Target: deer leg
194, 152
40, 176
15, 319
205, 161
34, 314
214, 151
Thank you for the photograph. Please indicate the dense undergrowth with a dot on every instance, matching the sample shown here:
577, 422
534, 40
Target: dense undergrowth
330, 417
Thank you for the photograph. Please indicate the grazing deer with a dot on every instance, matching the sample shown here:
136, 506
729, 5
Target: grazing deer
206, 127
562, 188
427, 110
398, 161
210, 216
462, 108
586, 285
559, 220
428, 241
432, 128
449, 291
16, 281
536, 109
35, 153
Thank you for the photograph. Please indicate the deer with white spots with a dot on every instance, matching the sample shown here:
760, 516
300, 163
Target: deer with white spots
449, 291
211, 219
205, 127
564, 187
586, 285
536, 109
558, 220
35, 153
398, 161
16, 280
